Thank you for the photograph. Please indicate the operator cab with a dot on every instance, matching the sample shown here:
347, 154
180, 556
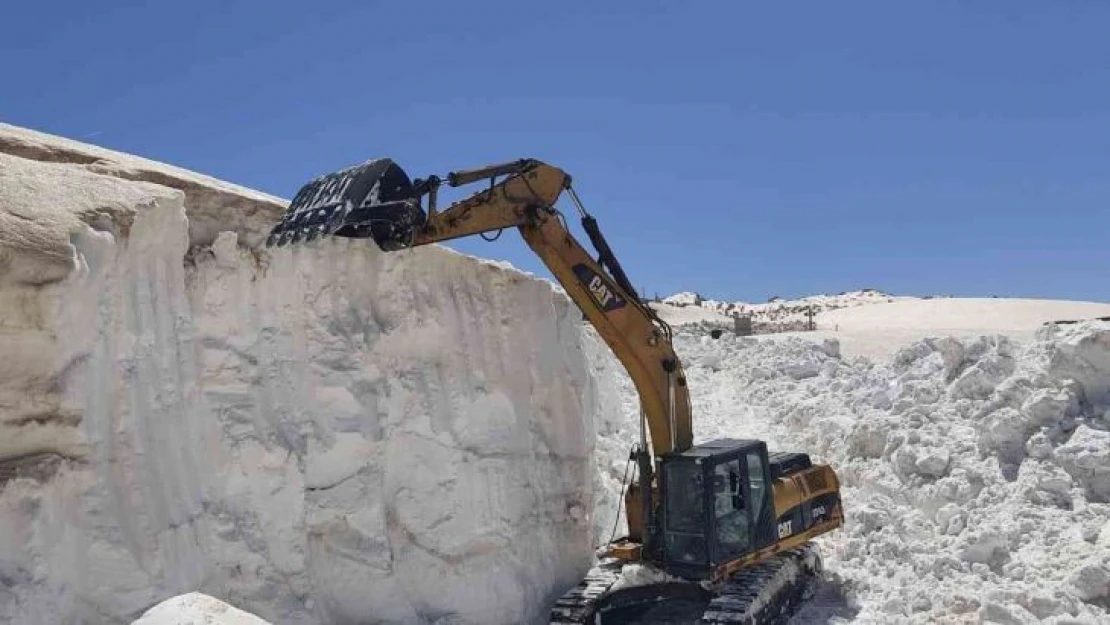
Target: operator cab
717, 504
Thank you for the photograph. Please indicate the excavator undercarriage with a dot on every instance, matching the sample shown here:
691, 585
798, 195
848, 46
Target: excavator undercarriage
764, 593
726, 526
745, 557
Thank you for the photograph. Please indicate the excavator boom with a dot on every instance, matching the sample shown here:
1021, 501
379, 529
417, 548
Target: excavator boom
376, 200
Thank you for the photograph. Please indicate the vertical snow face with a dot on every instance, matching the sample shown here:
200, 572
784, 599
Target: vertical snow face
426, 415
323, 434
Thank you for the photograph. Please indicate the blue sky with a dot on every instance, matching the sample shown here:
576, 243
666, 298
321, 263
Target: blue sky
739, 149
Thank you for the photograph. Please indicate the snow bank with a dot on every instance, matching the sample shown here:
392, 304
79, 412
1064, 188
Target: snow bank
976, 472
323, 434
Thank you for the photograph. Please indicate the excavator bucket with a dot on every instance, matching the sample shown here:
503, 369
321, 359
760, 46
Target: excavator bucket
373, 200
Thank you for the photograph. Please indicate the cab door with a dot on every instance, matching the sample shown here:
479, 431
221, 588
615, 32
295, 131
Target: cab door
741, 504
732, 521
760, 492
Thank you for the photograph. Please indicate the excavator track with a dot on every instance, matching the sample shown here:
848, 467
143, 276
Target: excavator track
768, 593
578, 604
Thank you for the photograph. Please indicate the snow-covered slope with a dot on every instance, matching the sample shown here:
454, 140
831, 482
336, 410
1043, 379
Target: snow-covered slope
775, 315
976, 473
823, 301
878, 331
875, 324
320, 435
965, 315
783, 310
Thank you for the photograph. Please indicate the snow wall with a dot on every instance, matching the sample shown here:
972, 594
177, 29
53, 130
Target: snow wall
323, 434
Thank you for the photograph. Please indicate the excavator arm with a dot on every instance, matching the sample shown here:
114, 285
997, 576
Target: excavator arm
377, 200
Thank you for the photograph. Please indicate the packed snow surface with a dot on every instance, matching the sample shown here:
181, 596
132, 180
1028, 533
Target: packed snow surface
326, 434
976, 472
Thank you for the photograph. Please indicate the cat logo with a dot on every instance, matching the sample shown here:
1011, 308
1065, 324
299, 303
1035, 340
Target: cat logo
785, 528
819, 511
600, 291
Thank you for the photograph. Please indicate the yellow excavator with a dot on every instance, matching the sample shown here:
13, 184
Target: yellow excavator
725, 526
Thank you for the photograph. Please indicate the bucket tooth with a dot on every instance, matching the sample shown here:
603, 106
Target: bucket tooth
336, 217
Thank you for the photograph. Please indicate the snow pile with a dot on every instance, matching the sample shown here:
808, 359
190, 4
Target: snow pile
196, 609
976, 472
685, 298
325, 434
